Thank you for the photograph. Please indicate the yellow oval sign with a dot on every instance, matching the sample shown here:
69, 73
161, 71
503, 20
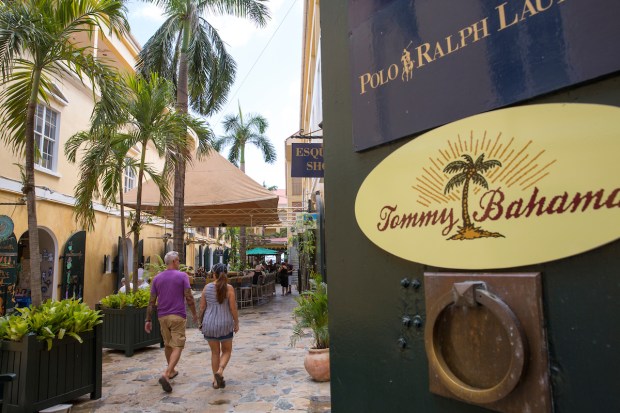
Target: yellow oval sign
501, 189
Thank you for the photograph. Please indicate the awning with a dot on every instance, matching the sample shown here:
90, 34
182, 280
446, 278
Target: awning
217, 193
260, 251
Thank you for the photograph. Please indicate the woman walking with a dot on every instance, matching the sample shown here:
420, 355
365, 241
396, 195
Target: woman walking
218, 312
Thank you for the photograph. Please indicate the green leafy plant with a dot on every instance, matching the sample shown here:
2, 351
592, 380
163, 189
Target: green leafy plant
50, 320
311, 312
121, 300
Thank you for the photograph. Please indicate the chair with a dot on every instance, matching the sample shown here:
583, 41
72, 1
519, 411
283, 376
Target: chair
246, 297
5, 378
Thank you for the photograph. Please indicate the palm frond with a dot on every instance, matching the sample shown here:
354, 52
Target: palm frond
255, 10
479, 179
456, 166
455, 181
266, 147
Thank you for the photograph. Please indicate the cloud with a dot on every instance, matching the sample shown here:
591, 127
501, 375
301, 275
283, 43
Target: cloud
234, 31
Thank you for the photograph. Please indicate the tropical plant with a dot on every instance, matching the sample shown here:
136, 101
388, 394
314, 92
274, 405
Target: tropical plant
469, 171
145, 120
239, 133
231, 236
187, 50
139, 299
312, 312
36, 50
52, 319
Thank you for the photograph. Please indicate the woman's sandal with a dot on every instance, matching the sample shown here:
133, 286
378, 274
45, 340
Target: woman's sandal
215, 386
220, 381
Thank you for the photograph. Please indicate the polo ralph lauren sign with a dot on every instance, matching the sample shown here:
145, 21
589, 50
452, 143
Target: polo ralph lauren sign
420, 64
502, 189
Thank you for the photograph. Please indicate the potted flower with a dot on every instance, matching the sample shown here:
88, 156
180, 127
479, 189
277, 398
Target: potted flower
55, 351
311, 312
123, 322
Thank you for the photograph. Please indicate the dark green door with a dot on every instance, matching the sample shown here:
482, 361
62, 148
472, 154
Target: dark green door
72, 285
8, 273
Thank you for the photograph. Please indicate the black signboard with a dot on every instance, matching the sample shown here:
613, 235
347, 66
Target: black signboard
73, 266
307, 160
8, 273
423, 63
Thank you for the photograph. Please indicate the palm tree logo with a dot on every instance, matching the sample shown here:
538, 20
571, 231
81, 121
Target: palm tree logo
469, 171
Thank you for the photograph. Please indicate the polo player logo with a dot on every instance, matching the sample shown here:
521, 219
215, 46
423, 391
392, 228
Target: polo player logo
470, 172
407, 65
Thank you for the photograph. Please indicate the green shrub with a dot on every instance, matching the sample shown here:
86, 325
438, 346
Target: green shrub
53, 319
121, 300
311, 312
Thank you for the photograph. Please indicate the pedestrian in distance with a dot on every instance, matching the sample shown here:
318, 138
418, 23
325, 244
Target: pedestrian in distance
283, 274
170, 290
219, 320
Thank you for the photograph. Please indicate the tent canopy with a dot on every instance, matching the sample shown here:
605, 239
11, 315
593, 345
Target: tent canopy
261, 251
217, 193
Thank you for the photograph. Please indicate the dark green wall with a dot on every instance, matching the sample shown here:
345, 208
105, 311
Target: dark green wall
370, 373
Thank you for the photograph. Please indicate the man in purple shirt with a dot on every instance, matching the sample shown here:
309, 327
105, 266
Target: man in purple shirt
170, 290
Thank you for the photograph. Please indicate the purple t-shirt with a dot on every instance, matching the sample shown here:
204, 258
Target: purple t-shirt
170, 286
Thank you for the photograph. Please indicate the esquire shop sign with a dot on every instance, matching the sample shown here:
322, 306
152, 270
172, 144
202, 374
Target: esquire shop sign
502, 189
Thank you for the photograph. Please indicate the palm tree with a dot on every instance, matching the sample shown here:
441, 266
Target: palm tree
187, 50
102, 170
231, 235
36, 49
469, 170
240, 132
147, 121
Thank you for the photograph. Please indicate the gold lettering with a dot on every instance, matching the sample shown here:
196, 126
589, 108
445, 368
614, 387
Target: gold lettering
484, 29
438, 51
423, 54
540, 7
502, 17
364, 79
464, 36
393, 69
528, 8
450, 46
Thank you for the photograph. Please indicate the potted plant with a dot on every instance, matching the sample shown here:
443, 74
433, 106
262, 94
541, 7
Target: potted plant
55, 351
123, 322
311, 312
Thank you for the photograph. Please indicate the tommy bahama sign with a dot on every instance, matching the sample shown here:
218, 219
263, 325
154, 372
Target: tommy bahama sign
419, 64
502, 189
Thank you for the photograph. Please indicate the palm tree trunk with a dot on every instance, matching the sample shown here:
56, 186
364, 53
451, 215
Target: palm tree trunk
124, 250
179, 176
30, 192
136, 224
466, 220
243, 242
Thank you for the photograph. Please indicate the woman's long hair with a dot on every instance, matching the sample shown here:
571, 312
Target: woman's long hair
221, 281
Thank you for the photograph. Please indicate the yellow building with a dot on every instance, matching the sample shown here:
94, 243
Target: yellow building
66, 269
301, 192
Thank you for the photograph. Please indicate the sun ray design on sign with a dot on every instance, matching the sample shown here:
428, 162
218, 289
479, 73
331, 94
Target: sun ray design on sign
523, 166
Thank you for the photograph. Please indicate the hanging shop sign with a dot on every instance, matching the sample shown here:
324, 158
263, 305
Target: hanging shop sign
502, 189
420, 64
307, 160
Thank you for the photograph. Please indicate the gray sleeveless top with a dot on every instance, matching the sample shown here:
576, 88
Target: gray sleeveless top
218, 320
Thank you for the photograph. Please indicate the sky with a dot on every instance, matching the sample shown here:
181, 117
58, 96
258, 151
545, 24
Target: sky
268, 78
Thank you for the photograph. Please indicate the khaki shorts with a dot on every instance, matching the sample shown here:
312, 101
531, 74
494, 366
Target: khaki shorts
173, 330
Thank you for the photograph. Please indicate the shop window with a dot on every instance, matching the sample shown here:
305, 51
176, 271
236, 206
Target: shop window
46, 125
130, 178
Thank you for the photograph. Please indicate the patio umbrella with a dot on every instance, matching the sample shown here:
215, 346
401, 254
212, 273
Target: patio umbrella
261, 251
217, 193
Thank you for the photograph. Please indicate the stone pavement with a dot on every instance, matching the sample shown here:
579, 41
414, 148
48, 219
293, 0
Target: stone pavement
265, 374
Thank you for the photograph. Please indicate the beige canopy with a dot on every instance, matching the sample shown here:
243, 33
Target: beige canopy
216, 194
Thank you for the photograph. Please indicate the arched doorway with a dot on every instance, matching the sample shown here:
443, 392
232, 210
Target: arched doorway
48, 249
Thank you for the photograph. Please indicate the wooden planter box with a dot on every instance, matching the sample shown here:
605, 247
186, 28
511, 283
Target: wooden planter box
47, 378
123, 329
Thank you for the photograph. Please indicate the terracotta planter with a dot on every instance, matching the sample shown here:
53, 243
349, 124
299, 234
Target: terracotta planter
317, 364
